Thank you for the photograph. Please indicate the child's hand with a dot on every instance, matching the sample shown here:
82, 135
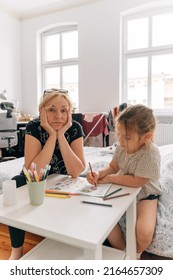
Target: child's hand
104, 180
93, 178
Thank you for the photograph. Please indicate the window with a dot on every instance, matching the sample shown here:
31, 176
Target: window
59, 60
147, 58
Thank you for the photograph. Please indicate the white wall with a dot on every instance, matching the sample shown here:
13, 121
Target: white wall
99, 31
98, 53
10, 56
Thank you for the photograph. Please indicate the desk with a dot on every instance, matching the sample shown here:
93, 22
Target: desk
21, 128
71, 222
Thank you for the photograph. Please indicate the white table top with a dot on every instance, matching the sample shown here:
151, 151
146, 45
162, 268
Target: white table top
67, 220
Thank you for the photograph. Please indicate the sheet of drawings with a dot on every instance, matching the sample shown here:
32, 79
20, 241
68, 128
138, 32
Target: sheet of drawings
81, 186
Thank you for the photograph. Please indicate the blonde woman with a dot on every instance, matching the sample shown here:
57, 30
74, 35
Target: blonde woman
55, 139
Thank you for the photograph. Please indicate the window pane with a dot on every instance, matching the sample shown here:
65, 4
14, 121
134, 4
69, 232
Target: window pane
162, 81
52, 77
137, 79
162, 30
137, 34
70, 82
70, 44
52, 47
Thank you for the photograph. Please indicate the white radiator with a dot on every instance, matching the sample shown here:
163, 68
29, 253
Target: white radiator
164, 134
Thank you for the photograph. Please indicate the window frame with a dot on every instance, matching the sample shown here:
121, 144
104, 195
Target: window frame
57, 63
148, 52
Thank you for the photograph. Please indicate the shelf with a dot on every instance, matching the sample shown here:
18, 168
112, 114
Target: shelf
53, 250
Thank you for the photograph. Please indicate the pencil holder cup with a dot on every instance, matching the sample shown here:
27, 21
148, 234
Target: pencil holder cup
36, 192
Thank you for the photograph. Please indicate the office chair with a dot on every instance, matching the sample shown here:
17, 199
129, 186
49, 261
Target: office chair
8, 130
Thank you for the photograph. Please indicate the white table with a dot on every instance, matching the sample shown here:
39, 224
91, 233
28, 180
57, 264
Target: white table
71, 222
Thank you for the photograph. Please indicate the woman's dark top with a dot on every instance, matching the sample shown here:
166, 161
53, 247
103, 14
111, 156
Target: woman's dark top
74, 132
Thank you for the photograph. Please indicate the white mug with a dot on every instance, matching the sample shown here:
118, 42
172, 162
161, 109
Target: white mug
9, 192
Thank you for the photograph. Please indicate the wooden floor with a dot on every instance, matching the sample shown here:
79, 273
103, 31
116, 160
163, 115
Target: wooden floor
32, 240
5, 246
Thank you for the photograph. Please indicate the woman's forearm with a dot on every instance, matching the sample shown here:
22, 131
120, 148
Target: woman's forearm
44, 156
74, 164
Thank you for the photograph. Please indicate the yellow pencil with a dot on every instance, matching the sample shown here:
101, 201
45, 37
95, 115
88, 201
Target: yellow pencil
58, 195
36, 176
26, 174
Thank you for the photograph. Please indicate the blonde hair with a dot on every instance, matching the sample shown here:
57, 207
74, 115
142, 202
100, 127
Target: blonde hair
137, 118
52, 94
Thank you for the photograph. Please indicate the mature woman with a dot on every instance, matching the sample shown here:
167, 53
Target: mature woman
54, 139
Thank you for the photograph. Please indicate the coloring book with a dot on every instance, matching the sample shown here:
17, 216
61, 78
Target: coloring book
77, 186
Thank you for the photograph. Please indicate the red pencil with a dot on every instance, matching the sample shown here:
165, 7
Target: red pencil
92, 175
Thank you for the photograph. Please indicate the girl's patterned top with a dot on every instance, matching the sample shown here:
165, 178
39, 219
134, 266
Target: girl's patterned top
144, 163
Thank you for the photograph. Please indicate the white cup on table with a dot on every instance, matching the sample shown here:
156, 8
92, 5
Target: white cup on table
9, 192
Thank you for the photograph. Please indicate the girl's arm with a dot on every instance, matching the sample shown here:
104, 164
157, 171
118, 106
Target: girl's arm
125, 180
96, 177
109, 175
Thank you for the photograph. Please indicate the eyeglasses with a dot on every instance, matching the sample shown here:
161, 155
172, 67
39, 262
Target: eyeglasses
54, 90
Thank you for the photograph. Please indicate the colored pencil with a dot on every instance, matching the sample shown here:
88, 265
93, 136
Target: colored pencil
113, 192
96, 203
57, 195
92, 174
116, 196
60, 192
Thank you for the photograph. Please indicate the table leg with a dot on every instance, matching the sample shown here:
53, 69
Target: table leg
93, 254
131, 231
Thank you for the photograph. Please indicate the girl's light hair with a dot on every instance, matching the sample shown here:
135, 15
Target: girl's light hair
137, 118
50, 95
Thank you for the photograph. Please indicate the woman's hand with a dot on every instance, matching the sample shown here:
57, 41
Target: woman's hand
93, 178
44, 122
67, 125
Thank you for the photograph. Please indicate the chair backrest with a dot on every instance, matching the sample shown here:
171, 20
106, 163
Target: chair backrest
8, 129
